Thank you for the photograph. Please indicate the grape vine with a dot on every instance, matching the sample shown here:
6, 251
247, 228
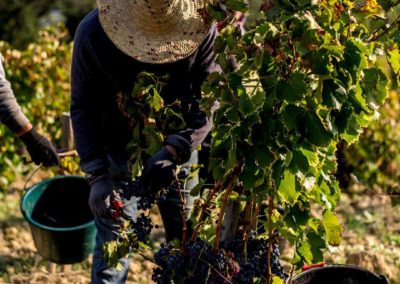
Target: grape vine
307, 74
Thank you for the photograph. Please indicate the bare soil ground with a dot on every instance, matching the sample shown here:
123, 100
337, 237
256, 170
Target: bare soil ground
371, 239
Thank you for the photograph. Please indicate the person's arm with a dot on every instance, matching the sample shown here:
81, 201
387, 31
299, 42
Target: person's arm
86, 92
88, 88
10, 112
198, 124
40, 149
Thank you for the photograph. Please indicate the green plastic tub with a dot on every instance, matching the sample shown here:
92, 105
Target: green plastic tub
60, 219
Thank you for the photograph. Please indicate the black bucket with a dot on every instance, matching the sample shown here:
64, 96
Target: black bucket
60, 219
339, 274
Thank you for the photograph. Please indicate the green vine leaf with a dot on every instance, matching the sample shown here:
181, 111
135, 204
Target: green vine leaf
375, 85
333, 229
297, 218
304, 251
287, 188
295, 89
216, 12
264, 156
237, 5
292, 116
315, 131
197, 189
354, 127
277, 280
317, 245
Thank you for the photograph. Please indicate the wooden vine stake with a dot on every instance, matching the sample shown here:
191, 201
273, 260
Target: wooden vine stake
230, 222
67, 142
231, 184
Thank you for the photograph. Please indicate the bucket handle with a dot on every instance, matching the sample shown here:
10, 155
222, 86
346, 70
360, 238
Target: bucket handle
26, 185
61, 155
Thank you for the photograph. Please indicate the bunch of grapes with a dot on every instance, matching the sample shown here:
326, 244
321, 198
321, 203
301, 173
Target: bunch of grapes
242, 262
252, 257
146, 197
142, 227
171, 265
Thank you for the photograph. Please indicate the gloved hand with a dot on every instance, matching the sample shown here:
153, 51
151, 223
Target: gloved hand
40, 149
101, 193
159, 170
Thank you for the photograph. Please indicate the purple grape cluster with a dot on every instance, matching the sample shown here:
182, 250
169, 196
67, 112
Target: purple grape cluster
252, 259
146, 197
142, 227
242, 262
171, 265
146, 200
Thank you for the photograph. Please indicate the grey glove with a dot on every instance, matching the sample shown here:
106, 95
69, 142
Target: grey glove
101, 194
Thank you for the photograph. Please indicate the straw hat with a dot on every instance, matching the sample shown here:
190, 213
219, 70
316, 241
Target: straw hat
154, 31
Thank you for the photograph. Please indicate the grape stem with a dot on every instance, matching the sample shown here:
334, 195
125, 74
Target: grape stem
376, 35
204, 207
291, 275
213, 268
147, 258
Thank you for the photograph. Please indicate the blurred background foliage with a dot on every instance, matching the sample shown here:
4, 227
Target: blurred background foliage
39, 75
36, 43
22, 19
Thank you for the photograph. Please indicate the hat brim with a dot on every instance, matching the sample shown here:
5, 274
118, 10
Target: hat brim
166, 44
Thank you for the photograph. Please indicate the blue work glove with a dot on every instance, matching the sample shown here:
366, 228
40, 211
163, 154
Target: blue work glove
160, 170
40, 149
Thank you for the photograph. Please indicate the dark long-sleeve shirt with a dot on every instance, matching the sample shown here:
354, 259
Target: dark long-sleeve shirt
100, 71
10, 112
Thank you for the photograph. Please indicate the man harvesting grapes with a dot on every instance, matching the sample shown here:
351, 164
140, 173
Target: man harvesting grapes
40, 149
114, 44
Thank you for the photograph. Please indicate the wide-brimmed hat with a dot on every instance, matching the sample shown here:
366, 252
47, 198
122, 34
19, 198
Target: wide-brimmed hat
154, 31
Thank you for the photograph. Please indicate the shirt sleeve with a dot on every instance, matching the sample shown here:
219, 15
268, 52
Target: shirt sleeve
198, 124
10, 112
86, 105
